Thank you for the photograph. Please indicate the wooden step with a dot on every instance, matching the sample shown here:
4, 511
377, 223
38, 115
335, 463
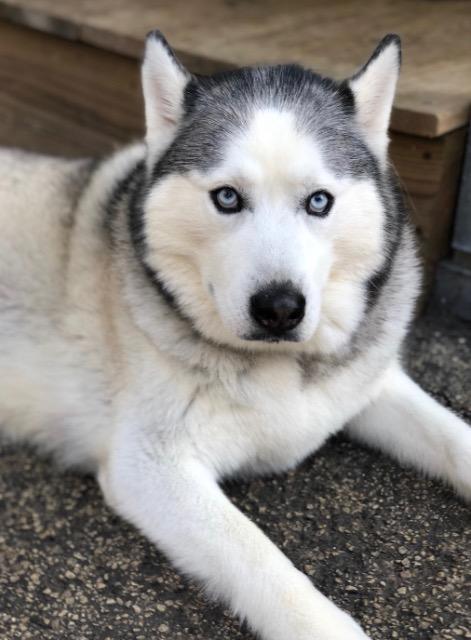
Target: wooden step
333, 37
69, 84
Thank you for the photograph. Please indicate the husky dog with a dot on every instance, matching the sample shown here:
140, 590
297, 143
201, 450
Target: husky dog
219, 300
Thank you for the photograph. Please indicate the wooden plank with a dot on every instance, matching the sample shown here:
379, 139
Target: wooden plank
333, 36
63, 97
430, 172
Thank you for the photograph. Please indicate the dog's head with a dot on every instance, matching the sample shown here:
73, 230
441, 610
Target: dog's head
264, 219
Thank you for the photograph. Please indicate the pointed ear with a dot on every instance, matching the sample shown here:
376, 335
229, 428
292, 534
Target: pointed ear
373, 87
163, 83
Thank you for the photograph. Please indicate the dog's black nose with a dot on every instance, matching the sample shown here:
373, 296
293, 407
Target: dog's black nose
278, 308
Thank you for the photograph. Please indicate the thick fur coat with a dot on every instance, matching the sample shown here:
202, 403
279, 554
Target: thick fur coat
219, 300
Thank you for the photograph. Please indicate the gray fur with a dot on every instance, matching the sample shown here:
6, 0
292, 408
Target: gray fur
218, 106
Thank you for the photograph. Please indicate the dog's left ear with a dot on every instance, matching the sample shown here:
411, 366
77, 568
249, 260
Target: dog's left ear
163, 83
373, 87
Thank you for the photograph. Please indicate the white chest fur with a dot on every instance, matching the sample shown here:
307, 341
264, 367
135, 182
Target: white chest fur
265, 418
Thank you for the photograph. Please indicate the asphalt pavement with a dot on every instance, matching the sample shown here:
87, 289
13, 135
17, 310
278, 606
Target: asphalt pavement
389, 546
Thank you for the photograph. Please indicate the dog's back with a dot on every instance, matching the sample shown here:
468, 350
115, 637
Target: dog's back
40, 374
37, 199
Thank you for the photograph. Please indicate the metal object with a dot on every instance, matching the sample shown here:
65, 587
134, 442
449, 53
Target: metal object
462, 231
453, 281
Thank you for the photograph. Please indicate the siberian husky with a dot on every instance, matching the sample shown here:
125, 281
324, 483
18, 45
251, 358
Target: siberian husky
219, 300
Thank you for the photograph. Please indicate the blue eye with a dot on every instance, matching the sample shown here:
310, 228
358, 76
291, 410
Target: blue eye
319, 203
226, 200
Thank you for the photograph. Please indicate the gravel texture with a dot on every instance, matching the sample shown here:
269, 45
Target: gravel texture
391, 547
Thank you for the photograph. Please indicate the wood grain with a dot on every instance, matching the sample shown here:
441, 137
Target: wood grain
333, 36
430, 171
63, 97
67, 98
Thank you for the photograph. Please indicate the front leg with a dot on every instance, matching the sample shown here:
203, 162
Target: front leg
411, 426
174, 500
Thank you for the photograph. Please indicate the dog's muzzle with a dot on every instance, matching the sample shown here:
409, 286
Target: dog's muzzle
278, 308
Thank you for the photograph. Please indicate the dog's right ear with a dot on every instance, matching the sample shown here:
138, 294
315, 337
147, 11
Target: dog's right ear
163, 82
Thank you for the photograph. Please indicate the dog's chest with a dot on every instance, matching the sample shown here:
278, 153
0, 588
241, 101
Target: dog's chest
267, 419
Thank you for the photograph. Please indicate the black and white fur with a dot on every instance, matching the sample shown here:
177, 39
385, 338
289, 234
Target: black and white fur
128, 339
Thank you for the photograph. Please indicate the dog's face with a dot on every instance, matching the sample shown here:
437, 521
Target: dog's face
264, 219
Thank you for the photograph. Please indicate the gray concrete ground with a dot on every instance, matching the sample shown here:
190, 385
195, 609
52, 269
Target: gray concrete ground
392, 548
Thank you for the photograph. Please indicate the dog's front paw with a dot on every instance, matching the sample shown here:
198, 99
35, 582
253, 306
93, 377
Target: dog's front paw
340, 626
347, 629
459, 465
309, 615
462, 476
